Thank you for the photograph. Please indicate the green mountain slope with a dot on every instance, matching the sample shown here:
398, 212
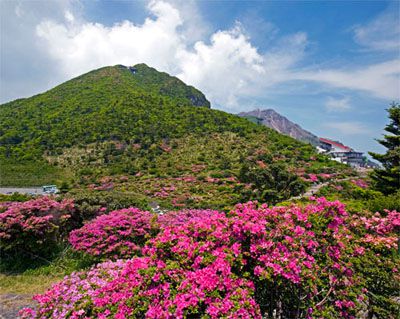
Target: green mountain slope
109, 103
135, 129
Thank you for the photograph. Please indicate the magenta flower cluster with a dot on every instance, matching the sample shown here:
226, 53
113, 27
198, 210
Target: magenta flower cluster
317, 177
119, 234
377, 230
178, 218
34, 224
360, 183
253, 262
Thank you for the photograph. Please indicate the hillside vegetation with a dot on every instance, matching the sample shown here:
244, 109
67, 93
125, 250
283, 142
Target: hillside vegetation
167, 211
133, 129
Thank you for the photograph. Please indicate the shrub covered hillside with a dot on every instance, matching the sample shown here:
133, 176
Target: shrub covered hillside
142, 132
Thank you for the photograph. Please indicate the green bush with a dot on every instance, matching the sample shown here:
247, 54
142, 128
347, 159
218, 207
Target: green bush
89, 203
390, 202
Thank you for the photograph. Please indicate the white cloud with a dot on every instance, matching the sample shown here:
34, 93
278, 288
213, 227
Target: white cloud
225, 64
382, 33
348, 128
25, 68
224, 68
382, 79
86, 46
69, 16
194, 27
337, 105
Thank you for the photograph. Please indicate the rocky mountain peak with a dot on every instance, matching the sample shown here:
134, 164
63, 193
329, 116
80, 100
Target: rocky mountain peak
280, 123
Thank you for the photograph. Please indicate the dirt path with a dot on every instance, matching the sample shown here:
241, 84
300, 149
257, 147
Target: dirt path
316, 187
11, 304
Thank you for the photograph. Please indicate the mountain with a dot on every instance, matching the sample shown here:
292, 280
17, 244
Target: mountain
281, 124
141, 132
162, 83
111, 103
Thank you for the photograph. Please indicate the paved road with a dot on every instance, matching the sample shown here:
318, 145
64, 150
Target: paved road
22, 190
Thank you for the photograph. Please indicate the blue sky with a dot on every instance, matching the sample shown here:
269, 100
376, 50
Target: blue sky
331, 66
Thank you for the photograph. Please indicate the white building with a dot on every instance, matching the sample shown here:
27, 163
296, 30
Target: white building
342, 153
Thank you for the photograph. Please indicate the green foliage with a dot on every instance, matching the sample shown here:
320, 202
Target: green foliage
270, 184
142, 124
387, 180
376, 268
14, 197
253, 119
107, 104
382, 202
90, 203
29, 173
360, 199
162, 83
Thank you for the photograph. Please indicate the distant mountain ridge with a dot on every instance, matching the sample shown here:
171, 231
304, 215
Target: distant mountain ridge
281, 124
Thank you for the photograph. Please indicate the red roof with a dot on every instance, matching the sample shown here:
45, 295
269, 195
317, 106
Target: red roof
336, 144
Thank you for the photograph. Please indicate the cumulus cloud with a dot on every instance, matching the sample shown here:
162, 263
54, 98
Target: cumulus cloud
382, 33
84, 46
349, 128
337, 105
25, 68
224, 64
223, 68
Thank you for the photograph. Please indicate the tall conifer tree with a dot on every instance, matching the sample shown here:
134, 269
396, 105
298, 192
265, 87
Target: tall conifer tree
387, 178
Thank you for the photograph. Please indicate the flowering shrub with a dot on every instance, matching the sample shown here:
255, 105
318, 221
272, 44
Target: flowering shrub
157, 289
173, 218
35, 225
378, 230
119, 234
144, 288
360, 183
69, 297
377, 238
313, 178
254, 262
281, 249
122, 233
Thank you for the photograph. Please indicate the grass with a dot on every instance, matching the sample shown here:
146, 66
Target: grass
29, 174
40, 275
29, 284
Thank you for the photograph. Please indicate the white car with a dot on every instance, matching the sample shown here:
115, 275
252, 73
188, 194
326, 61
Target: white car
50, 189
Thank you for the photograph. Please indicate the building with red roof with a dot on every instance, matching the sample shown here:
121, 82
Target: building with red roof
342, 153
333, 145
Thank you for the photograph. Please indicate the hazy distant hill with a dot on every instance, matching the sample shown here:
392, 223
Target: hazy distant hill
274, 120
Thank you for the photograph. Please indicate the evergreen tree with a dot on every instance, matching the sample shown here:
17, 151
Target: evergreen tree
387, 179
